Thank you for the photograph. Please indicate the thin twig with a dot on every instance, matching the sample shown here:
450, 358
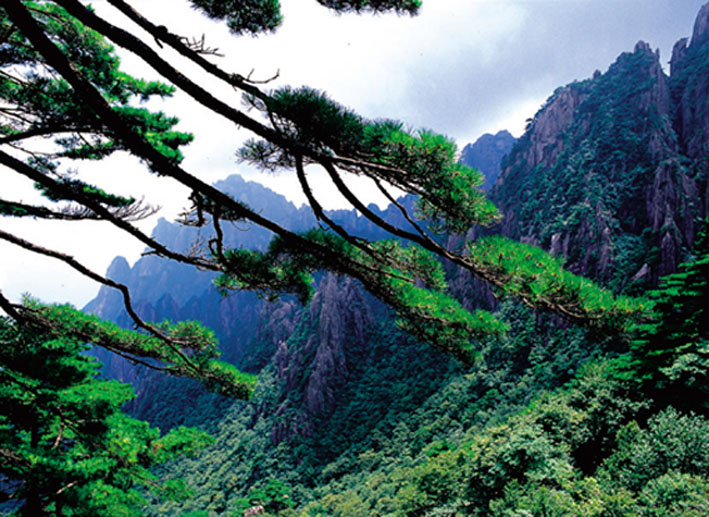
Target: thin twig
401, 208
55, 186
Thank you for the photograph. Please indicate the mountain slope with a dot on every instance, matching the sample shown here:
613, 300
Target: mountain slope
611, 171
486, 154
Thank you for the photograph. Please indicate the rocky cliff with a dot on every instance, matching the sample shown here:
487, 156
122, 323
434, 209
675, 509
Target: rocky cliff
689, 86
315, 362
611, 172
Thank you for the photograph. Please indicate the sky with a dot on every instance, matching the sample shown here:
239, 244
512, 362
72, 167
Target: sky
462, 68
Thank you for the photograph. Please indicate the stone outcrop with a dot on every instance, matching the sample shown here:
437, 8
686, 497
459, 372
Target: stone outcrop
700, 34
689, 83
314, 364
615, 161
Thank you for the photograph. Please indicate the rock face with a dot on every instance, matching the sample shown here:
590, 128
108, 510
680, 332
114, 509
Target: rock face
700, 35
612, 171
689, 84
486, 155
314, 364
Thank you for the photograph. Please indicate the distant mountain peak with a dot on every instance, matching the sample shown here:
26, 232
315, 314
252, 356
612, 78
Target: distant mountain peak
254, 194
119, 270
486, 154
642, 46
679, 52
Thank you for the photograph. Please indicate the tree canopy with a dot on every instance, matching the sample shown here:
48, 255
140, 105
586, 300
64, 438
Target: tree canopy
66, 446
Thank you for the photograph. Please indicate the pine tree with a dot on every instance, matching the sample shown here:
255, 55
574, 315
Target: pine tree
670, 355
66, 446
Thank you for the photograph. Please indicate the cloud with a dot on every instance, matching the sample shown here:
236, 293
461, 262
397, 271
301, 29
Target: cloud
550, 43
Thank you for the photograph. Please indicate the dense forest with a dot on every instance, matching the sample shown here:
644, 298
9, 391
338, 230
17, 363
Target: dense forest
352, 412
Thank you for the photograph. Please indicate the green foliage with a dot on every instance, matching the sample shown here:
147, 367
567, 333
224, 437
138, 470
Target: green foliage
66, 447
493, 441
273, 496
672, 442
252, 16
389, 270
674, 494
583, 497
423, 163
428, 484
191, 350
547, 444
660, 470
307, 117
48, 107
253, 270
22, 210
538, 278
400, 6
450, 197
539, 461
256, 16
74, 187
670, 354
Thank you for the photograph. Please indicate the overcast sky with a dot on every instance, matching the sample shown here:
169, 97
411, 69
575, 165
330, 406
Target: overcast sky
462, 68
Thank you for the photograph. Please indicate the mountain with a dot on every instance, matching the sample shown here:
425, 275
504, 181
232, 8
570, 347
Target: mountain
612, 171
164, 289
250, 330
486, 155
689, 87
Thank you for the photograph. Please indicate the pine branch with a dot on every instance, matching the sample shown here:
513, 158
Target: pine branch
73, 263
135, 142
100, 210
